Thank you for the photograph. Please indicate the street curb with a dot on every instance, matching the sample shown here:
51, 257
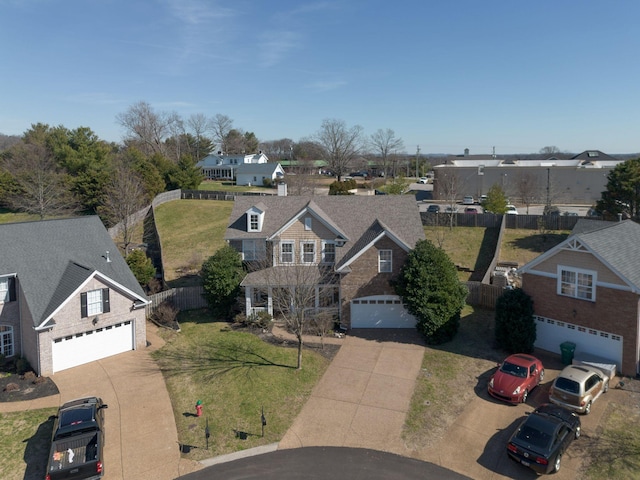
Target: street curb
238, 455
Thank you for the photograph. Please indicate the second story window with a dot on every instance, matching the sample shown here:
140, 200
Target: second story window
576, 283
385, 261
307, 223
254, 222
253, 250
308, 253
94, 302
328, 252
286, 252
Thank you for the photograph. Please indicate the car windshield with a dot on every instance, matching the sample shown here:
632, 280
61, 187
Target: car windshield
568, 385
513, 369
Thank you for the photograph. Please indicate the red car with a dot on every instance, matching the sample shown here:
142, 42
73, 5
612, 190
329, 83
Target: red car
516, 377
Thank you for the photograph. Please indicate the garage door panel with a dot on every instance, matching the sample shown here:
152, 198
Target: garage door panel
92, 345
551, 333
380, 311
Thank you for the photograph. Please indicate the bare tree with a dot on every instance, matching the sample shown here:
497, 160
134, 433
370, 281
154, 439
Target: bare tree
278, 149
550, 150
147, 127
301, 295
300, 179
449, 188
340, 143
384, 143
124, 197
220, 126
527, 188
42, 187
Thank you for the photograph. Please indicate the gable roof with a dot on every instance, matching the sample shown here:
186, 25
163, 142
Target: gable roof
615, 244
53, 259
357, 219
258, 169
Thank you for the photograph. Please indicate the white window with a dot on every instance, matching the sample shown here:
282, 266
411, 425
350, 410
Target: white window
253, 250
307, 223
328, 252
286, 252
573, 282
6, 340
94, 302
308, 252
254, 222
4, 289
384, 261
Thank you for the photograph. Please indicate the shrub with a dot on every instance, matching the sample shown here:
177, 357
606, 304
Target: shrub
342, 188
221, 277
166, 314
515, 326
267, 182
22, 366
259, 320
141, 266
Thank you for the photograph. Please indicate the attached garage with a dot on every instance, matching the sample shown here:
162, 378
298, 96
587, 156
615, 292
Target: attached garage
380, 311
551, 333
91, 345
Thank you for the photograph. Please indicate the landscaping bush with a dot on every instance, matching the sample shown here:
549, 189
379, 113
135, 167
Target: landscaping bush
166, 314
22, 366
221, 277
258, 321
141, 266
342, 188
515, 325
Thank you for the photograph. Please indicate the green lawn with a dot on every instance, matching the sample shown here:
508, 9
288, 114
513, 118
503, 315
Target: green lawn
24, 443
236, 375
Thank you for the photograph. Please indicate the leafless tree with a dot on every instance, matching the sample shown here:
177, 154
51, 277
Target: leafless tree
42, 187
278, 149
124, 196
384, 144
147, 127
527, 188
449, 188
550, 150
220, 126
300, 179
340, 143
300, 294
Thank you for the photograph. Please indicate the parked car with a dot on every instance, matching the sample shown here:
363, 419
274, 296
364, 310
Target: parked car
77, 441
450, 209
433, 209
551, 210
423, 180
512, 210
577, 387
468, 200
543, 437
516, 376
471, 210
482, 199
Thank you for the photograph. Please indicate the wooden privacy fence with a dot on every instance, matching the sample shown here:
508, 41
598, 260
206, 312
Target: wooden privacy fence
483, 294
183, 298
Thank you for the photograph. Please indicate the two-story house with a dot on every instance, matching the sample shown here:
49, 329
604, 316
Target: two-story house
586, 290
349, 247
225, 167
67, 296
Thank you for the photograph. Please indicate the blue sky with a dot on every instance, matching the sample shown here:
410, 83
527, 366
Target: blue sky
444, 75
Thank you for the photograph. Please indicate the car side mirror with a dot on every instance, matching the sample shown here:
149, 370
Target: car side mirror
103, 406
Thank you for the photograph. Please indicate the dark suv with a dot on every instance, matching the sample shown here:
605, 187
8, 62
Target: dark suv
433, 209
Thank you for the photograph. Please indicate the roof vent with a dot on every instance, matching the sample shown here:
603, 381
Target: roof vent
107, 257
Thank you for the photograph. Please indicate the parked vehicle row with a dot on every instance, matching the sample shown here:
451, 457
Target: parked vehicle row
544, 435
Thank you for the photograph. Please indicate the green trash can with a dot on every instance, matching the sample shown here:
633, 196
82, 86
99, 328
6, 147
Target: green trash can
567, 349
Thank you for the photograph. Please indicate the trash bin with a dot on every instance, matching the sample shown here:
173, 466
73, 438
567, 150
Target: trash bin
567, 349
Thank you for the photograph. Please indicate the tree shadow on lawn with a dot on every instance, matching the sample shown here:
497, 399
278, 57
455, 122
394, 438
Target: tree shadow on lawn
540, 242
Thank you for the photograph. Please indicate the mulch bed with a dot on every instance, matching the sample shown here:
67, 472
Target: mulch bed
16, 388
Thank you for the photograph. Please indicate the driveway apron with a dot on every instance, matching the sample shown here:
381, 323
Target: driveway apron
141, 440
363, 397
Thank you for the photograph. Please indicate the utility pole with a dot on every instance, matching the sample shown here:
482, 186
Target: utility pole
417, 156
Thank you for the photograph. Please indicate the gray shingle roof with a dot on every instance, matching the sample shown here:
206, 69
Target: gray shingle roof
356, 216
52, 258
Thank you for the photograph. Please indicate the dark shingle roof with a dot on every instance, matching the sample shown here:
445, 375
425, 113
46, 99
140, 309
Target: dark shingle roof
52, 258
353, 216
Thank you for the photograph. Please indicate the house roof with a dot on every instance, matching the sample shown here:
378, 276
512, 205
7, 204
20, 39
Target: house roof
615, 244
359, 218
54, 258
258, 169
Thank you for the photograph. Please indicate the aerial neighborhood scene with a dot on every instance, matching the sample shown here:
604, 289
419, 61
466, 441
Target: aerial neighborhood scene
319, 240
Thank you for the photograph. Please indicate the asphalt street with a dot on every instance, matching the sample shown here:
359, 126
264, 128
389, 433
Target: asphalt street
325, 463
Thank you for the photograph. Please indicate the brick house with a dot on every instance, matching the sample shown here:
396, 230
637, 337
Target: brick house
67, 296
348, 247
586, 290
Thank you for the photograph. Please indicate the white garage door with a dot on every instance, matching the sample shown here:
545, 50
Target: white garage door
551, 333
380, 311
92, 345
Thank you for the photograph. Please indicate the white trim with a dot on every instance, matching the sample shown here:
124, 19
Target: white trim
292, 253
302, 252
577, 272
324, 243
383, 234
382, 261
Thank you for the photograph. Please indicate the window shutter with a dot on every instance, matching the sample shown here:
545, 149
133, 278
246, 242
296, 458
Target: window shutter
83, 305
105, 300
12, 289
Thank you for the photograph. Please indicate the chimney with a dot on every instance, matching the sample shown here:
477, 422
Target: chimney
466, 152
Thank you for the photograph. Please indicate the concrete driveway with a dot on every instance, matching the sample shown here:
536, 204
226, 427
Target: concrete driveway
140, 430
363, 397
475, 445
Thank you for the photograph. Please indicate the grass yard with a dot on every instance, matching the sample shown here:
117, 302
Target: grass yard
190, 232
523, 245
24, 443
236, 374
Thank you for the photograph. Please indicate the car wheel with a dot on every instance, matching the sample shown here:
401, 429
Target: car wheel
556, 464
587, 409
525, 395
578, 432
541, 376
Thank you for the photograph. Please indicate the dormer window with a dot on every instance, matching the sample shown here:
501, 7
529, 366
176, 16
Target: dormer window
255, 218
